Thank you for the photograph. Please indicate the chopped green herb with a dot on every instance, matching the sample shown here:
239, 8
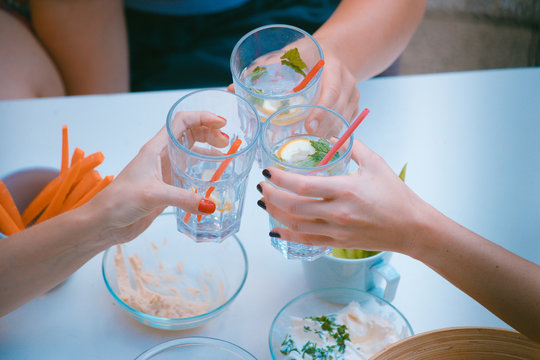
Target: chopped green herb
338, 332
287, 346
293, 60
310, 350
257, 73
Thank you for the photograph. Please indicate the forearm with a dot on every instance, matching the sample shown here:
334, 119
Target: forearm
87, 41
503, 282
368, 35
40, 257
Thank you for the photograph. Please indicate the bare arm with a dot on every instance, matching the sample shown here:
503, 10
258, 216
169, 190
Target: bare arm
368, 36
87, 41
360, 40
374, 210
38, 258
506, 284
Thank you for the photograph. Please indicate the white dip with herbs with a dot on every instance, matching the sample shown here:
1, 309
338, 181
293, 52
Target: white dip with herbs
348, 334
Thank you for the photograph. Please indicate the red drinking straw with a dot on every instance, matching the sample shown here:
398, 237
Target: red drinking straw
309, 76
217, 175
344, 137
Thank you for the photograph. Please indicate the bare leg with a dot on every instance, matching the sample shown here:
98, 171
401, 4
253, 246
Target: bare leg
26, 70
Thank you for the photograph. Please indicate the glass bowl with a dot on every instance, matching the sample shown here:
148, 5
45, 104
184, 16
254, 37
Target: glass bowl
196, 348
166, 280
328, 302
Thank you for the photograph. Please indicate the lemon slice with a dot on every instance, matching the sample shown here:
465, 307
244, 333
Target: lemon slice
221, 205
295, 150
269, 107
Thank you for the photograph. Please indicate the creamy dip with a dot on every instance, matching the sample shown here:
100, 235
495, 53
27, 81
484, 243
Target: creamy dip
158, 294
348, 334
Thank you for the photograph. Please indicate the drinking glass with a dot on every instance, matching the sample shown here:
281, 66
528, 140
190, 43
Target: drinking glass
270, 88
274, 134
194, 164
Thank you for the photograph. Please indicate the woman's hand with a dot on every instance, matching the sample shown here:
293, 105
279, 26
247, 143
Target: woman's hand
143, 189
371, 209
338, 92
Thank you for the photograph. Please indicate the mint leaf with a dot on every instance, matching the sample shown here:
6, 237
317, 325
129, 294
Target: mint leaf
292, 59
322, 147
257, 73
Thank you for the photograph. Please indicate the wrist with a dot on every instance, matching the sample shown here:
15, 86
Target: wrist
423, 222
429, 237
91, 220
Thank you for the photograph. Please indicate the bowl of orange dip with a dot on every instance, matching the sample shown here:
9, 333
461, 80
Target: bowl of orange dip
165, 280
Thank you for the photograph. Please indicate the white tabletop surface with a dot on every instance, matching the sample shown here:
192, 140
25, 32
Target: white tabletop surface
472, 144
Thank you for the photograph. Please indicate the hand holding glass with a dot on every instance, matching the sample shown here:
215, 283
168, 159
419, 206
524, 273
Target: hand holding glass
213, 161
291, 147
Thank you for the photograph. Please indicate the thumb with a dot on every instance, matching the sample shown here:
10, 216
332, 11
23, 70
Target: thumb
230, 88
187, 200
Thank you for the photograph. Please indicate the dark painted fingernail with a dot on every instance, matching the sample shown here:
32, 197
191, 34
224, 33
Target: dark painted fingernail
261, 204
274, 234
221, 117
259, 188
266, 174
222, 133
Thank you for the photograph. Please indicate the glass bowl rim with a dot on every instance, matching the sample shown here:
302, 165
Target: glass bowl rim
202, 340
175, 321
328, 289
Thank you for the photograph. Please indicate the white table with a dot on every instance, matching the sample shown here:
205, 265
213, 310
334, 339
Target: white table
472, 143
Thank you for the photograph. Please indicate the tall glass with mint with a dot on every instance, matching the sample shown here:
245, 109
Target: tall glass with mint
269, 66
291, 147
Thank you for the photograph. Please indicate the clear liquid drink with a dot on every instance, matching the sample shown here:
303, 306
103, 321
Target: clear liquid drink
293, 148
194, 164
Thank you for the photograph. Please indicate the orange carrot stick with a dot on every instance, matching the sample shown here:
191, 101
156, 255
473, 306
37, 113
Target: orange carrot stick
65, 151
78, 154
96, 189
9, 205
88, 181
91, 161
220, 170
7, 225
45, 196
309, 76
58, 199
41, 201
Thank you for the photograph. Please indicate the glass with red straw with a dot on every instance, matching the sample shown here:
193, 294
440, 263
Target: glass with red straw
218, 174
287, 147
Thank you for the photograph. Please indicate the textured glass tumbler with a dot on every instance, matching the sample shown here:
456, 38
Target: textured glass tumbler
194, 164
275, 134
